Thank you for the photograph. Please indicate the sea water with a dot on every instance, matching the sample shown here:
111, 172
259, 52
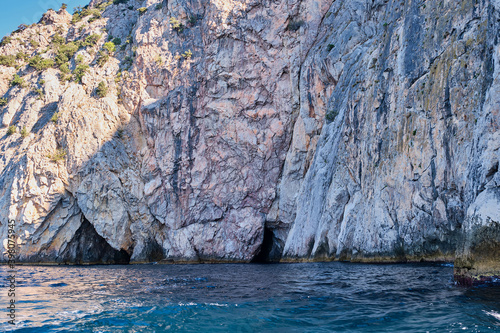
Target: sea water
306, 297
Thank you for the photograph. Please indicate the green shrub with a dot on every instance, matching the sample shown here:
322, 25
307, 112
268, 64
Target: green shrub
76, 18
39, 92
40, 64
57, 39
79, 59
64, 77
6, 40
193, 19
109, 47
95, 17
91, 40
294, 25
188, 54
41, 82
142, 10
20, 28
34, 43
176, 24
22, 56
116, 2
90, 11
79, 72
55, 117
3, 101
64, 68
12, 129
80, 13
159, 6
104, 5
102, 58
24, 132
64, 6
127, 62
118, 77
17, 81
58, 155
117, 41
329, 47
102, 89
66, 52
8, 60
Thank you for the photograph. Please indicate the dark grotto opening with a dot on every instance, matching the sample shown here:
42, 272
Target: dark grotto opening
270, 249
88, 247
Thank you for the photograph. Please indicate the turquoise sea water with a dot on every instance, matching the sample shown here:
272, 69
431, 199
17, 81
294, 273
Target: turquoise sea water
315, 297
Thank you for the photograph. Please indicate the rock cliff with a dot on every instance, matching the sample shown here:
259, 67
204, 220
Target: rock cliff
224, 130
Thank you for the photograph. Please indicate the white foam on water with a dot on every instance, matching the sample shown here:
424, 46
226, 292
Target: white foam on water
217, 304
188, 304
494, 314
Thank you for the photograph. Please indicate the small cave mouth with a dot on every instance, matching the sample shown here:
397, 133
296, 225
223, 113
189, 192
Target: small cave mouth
270, 249
88, 247
491, 172
154, 251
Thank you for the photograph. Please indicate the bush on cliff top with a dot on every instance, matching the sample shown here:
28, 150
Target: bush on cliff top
6, 40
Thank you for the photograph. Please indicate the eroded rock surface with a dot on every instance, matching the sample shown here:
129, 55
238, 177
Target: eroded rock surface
359, 130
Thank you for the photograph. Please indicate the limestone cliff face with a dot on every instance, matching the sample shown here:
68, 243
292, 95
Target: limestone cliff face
361, 130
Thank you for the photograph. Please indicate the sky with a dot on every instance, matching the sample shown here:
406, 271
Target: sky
16, 12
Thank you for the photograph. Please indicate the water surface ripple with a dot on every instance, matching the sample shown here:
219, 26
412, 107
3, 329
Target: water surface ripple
309, 297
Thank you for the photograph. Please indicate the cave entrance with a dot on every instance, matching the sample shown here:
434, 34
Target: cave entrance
270, 249
88, 247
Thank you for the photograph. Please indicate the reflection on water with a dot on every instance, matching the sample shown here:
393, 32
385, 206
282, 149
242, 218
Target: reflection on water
316, 297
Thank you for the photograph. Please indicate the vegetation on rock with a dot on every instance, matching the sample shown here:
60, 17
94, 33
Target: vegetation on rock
102, 89
12, 129
8, 60
58, 155
40, 64
17, 81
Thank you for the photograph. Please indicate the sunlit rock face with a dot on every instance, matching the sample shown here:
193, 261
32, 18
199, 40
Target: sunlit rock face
236, 130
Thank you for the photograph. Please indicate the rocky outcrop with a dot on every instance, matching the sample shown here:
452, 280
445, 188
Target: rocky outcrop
358, 130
